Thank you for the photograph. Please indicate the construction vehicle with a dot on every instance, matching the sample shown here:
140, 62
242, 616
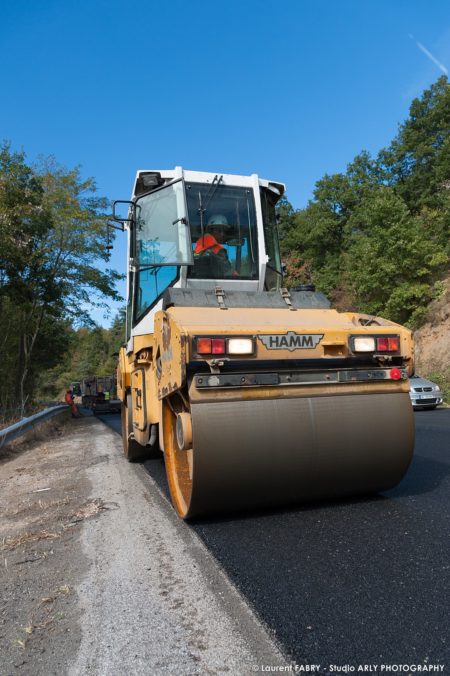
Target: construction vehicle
75, 388
99, 393
255, 395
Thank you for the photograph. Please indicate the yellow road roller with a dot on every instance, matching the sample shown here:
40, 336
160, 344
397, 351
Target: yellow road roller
256, 395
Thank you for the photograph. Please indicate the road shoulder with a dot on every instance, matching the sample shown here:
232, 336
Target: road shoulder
101, 577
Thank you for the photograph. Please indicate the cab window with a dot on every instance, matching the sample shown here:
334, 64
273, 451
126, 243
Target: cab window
150, 285
273, 278
223, 231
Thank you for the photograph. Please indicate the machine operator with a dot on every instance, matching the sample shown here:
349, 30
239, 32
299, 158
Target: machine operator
210, 247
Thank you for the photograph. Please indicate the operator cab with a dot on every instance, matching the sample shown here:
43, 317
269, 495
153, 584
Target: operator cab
198, 230
223, 229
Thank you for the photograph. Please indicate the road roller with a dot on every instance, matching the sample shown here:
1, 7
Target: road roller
256, 395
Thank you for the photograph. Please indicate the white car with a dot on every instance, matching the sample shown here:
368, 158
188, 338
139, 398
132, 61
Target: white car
423, 393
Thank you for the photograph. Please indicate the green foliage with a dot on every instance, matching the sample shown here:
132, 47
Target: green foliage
418, 159
51, 243
376, 237
317, 238
90, 351
286, 217
390, 260
441, 378
76, 246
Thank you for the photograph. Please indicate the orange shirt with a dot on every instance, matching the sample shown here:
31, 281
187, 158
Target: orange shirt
208, 242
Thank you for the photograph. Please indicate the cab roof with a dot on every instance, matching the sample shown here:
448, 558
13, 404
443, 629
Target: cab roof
169, 175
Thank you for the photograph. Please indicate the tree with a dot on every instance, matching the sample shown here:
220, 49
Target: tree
417, 162
92, 351
391, 260
52, 240
76, 243
24, 221
376, 237
318, 234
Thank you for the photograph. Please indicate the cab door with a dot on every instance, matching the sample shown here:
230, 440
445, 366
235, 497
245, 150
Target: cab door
161, 243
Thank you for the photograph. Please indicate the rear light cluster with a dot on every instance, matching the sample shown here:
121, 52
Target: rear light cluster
375, 344
220, 346
388, 344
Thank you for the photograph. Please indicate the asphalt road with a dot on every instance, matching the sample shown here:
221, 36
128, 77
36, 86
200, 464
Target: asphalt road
354, 582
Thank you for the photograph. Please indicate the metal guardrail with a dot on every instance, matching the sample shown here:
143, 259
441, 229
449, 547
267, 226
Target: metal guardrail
14, 431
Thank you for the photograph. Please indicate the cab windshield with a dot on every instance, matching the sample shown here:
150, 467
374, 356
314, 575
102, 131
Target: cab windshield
223, 231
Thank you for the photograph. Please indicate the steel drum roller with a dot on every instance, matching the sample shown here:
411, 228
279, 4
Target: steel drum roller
281, 451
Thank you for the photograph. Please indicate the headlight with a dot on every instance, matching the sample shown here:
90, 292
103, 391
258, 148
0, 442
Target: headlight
363, 344
240, 346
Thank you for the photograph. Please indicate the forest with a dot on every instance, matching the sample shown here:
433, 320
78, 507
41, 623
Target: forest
53, 271
375, 238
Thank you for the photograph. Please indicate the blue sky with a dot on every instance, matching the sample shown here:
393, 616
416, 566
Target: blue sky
289, 90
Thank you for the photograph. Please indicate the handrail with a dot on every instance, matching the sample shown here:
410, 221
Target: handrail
14, 431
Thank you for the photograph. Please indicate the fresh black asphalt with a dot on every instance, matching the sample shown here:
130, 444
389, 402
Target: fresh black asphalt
354, 582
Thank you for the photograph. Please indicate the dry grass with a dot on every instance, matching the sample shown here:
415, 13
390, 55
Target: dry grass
9, 543
88, 510
41, 504
49, 429
53, 503
45, 608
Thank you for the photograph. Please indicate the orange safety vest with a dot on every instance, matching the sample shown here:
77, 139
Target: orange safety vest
208, 242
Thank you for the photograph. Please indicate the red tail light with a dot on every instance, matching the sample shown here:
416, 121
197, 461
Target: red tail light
395, 374
218, 346
211, 346
388, 344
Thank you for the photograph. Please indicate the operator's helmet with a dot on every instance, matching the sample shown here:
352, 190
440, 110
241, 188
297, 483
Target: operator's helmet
218, 219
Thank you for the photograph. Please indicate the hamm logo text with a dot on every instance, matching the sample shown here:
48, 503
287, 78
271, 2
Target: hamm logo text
291, 341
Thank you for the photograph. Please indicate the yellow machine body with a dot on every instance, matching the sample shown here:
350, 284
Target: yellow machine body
265, 397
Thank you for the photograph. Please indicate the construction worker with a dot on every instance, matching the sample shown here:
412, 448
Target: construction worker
210, 246
69, 399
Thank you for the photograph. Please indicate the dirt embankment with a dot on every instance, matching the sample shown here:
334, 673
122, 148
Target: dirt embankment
433, 338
